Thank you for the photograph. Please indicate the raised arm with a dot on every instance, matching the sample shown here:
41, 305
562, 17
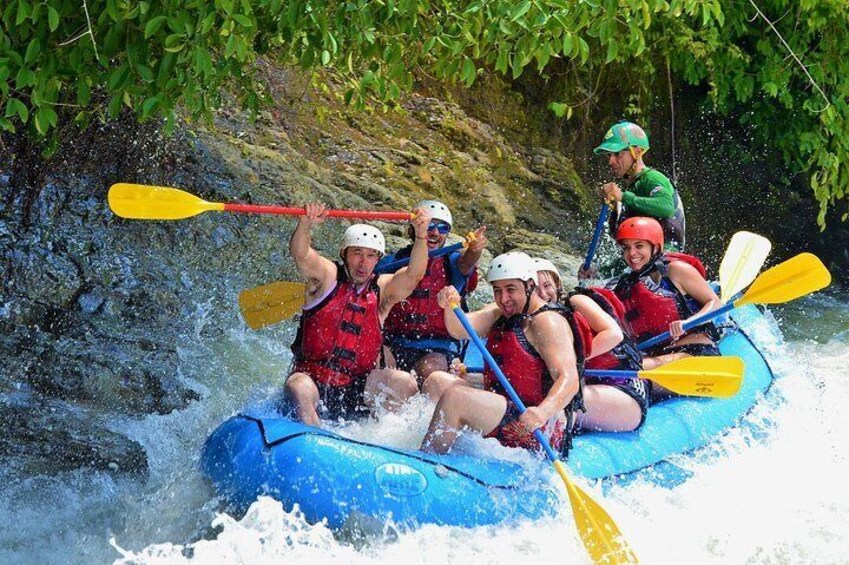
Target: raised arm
398, 286
608, 333
319, 271
472, 253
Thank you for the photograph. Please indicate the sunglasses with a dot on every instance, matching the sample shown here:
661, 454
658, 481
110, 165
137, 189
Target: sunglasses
441, 227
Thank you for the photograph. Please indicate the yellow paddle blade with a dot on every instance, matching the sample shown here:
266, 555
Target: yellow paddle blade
798, 276
143, 202
271, 303
742, 262
718, 377
599, 533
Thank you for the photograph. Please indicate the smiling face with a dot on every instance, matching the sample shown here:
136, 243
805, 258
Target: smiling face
636, 252
546, 286
437, 233
620, 162
360, 262
509, 296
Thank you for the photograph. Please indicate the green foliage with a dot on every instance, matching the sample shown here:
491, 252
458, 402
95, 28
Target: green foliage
151, 57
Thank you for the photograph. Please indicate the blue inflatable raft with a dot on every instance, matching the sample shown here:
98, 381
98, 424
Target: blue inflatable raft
347, 481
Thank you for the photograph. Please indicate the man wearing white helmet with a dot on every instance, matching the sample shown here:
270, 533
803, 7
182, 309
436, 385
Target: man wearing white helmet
339, 340
415, 331
538, 346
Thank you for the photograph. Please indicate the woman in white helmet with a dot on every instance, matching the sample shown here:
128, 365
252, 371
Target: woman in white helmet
609, 405
537, 347
337, 350
415, 332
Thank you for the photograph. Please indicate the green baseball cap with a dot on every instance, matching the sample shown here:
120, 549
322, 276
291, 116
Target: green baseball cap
622, 136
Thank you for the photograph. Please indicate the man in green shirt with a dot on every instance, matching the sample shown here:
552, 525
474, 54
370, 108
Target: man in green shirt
647, 192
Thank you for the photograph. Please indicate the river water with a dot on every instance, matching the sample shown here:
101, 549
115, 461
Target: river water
767, 492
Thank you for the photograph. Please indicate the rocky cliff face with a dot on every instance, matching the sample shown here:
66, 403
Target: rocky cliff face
94, 309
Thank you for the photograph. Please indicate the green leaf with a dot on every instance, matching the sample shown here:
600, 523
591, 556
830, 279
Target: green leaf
118, 78
558, 108
568, 43
520, 10
16, 107
468, 72
83, 92
243, 20
503, 62
24, 11
33, 49
149, 107
52, 18
612, 51
153, 26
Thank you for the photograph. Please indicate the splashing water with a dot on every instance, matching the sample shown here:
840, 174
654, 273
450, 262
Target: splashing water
768, 491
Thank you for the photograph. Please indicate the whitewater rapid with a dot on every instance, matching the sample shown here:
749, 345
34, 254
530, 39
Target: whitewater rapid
769, 491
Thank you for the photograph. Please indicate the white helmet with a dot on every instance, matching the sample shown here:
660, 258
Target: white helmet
512, 265
541, 264
437, 210
362, 235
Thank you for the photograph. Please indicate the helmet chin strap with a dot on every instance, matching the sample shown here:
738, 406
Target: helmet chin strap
529, 290
630, 172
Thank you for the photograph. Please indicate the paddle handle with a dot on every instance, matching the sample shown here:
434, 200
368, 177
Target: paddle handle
291, 211
688, 325
612, 373
395, 265
599, 227
511, 392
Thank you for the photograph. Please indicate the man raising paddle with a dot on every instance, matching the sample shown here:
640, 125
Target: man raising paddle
339, 339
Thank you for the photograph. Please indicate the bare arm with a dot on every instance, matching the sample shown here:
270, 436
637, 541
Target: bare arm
689, 281
481, 321
398, 286
319, 272
551, 336
472, 254
608, 333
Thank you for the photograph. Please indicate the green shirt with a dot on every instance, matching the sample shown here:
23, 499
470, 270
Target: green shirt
650, 194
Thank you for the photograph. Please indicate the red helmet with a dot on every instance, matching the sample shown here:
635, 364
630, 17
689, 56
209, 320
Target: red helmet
640, 227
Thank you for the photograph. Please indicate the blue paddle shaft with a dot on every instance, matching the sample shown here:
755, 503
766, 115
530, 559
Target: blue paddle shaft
687, 325
395, 265
599, 227
611, 373
511, 392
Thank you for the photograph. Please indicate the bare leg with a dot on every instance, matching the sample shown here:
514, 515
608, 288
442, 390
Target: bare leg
650, 363
429, 363
301, 388
438, 381
660, 393
462, 407
396, 386
608, 410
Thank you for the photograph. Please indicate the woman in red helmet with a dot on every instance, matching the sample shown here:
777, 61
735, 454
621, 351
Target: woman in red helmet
663, 291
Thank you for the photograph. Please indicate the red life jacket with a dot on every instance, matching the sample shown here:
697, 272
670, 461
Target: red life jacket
624, 355
650, 306
419, 316
339, 339
520, 361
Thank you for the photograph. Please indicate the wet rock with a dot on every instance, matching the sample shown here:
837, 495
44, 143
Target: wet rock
43, 436
45, 276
